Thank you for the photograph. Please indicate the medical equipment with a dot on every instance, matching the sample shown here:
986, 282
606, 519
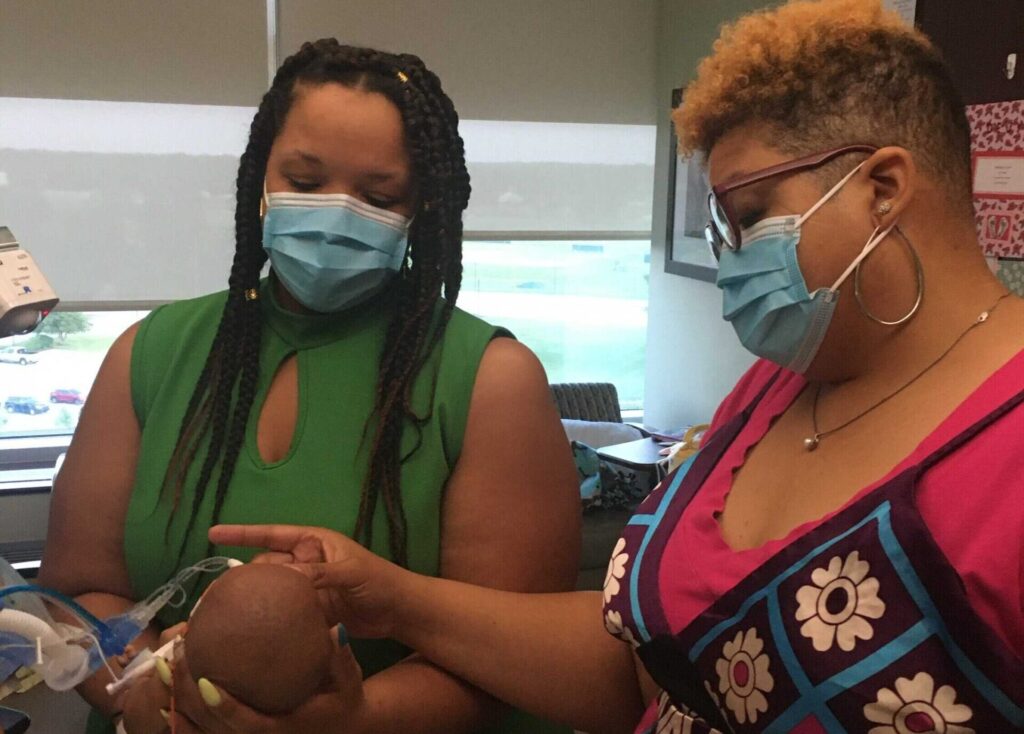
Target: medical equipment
64, 654
146, 660
25, 296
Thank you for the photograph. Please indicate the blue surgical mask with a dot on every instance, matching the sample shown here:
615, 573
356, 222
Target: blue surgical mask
765, 296
332, 251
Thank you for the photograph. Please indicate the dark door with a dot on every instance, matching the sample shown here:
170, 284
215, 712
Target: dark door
976, 37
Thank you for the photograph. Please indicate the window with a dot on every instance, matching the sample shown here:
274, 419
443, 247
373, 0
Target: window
557, 237
46, 376
558, 244
122, 201
580, 306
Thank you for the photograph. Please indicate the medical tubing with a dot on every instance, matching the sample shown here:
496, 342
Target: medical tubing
113, 635
70, 604
68, 664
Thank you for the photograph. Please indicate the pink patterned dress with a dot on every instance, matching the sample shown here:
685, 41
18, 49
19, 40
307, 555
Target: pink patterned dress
901, 612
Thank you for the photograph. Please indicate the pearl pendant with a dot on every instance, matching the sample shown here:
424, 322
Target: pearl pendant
811, 443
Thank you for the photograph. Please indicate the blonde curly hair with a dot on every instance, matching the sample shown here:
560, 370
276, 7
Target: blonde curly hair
824, 73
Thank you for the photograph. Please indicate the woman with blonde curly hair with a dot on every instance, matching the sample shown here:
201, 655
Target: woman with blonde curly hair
845, 552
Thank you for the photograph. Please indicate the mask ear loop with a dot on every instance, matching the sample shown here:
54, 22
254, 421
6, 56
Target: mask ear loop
831, 192
919, 270
873, 242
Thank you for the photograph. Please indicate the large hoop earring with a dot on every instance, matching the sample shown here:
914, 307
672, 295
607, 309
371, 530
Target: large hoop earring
920, 288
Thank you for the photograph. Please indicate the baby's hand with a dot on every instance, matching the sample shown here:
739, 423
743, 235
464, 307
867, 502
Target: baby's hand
143, 703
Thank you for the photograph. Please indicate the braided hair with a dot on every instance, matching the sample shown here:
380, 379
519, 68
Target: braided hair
218, 410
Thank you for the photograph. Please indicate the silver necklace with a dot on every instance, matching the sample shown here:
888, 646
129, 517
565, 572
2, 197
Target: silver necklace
811, 443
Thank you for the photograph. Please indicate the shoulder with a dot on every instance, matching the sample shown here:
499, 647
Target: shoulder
513, 364
973, 503
463, 324
171, 333
997, 450
176, 323
482, 369
494, 353
171, 317
748, 388
466, 339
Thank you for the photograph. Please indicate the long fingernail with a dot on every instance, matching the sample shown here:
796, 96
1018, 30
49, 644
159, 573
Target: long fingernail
166, 714
342, 635
209, 692
163, 671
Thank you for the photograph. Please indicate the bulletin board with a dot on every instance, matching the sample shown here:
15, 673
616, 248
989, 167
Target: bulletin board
997, 168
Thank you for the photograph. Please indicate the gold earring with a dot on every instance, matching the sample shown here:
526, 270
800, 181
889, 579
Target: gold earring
884, 208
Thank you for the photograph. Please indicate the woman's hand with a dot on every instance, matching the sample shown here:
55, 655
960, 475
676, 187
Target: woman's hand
142, 704
145, 703
356, 587
209, 709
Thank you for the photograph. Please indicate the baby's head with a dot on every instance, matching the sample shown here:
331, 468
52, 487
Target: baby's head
260, 634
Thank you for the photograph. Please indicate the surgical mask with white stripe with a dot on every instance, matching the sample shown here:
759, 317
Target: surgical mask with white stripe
332, 251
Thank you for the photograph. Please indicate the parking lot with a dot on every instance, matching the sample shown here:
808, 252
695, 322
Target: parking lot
54, 369
71, 367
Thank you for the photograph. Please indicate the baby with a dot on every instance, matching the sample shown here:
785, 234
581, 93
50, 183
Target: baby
258, 633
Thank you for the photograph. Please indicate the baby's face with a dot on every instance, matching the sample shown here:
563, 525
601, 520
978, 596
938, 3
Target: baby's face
260, 634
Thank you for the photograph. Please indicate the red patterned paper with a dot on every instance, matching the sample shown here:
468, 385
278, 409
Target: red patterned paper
998, 128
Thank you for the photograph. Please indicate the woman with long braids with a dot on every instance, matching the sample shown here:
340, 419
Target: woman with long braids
345, 390
846, 551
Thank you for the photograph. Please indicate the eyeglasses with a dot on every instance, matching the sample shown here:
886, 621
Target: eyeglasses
723, 230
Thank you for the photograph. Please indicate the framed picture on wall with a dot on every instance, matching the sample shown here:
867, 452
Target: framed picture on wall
686, 250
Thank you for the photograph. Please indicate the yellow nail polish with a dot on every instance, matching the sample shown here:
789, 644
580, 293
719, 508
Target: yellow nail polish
164, 671
209, 692
166, 714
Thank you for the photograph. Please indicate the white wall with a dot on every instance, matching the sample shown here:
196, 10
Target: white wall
693, 356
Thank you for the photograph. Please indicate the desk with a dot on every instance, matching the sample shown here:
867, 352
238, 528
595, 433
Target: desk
644, 454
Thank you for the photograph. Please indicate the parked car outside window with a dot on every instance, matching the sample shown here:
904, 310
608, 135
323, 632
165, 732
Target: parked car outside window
24, 404
11, 356
65, 395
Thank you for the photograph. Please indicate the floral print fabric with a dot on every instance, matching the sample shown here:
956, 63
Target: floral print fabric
839, 603
860, 625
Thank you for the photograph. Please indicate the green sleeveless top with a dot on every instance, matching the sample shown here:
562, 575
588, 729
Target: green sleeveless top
320, 480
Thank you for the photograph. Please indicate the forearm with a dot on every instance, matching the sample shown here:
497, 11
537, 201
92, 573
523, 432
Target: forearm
547, 654
94, 690
418, 697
